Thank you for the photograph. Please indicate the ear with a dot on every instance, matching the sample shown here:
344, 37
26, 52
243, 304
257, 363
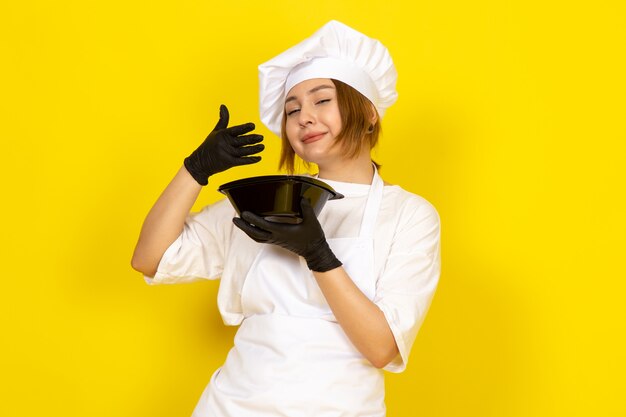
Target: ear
373, 114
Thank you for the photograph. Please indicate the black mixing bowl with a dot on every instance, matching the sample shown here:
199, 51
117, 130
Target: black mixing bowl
277, 197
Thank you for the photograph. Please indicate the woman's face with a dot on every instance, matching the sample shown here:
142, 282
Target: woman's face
313, 120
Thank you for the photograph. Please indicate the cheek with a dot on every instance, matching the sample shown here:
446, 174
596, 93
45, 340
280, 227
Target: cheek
291, 132
335, 119
293, 143
292, 137
338, 124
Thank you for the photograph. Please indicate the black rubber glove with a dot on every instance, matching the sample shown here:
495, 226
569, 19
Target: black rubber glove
224, 148
306, 239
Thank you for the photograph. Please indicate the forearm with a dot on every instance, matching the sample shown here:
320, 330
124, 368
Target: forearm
165, 222
361, 319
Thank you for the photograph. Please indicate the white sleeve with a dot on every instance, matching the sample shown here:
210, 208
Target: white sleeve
198, 252
410, 276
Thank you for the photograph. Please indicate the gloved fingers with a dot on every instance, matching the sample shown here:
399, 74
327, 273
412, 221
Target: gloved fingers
240, 129
261, 223
224, 117
255, 233
235, 152
249, 150
248, 160
246, 140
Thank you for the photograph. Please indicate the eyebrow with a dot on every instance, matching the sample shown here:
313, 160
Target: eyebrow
311, 91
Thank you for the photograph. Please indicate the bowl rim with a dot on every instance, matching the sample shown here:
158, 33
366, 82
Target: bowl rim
263, 179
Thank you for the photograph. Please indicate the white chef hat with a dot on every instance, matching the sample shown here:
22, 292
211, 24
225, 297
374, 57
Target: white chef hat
334, 51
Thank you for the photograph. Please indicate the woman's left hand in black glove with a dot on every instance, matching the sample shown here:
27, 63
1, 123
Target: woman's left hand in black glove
306, 239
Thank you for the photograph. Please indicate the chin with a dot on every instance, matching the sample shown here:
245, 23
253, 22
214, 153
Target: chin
317, 156
313, 159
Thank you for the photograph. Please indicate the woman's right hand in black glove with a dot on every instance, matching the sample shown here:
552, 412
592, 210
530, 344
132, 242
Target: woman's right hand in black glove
224, 148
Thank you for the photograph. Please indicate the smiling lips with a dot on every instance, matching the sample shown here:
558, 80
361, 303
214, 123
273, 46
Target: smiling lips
312, 137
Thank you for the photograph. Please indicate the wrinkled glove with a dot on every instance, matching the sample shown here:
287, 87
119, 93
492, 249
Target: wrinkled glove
305, 239
224, 148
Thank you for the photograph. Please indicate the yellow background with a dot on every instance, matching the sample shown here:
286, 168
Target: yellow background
510, 120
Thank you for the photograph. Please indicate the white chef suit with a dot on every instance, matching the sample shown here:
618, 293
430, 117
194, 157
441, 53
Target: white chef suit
291, 357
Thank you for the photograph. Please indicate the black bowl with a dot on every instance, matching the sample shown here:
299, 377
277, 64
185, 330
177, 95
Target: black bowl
277, 197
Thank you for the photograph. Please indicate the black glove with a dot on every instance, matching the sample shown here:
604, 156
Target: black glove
306, 239
224, 148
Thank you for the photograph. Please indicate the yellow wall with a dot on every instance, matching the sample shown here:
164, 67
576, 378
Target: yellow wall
510, 120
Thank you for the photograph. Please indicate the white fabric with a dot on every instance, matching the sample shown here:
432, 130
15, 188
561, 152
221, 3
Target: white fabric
406, 256
291, 357
334, 51
338, 69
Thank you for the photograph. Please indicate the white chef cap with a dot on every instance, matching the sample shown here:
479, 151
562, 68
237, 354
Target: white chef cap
334, 51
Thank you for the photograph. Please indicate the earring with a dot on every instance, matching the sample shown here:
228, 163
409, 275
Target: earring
371, 129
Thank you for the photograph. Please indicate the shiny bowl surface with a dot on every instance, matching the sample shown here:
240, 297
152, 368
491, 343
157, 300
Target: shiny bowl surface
277, 197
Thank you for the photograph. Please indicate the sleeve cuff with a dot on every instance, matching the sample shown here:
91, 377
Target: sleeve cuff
398, 364
161, 276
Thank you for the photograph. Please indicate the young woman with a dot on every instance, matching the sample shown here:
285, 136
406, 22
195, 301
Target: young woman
326, 305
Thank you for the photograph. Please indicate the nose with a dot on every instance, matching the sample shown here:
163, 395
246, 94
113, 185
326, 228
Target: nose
306, 116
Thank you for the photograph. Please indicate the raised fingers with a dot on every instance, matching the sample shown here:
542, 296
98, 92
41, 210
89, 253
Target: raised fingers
246, 140
240, 129
248, 160
249, 150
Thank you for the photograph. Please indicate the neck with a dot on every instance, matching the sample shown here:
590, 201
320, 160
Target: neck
359, 170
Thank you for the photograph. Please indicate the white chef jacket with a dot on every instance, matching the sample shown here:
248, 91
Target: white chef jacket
406, 255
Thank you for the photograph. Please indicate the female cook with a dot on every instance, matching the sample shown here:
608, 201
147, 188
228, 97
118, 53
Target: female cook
326, 305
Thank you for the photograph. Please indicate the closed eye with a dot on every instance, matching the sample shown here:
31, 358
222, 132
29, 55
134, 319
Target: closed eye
294, 111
